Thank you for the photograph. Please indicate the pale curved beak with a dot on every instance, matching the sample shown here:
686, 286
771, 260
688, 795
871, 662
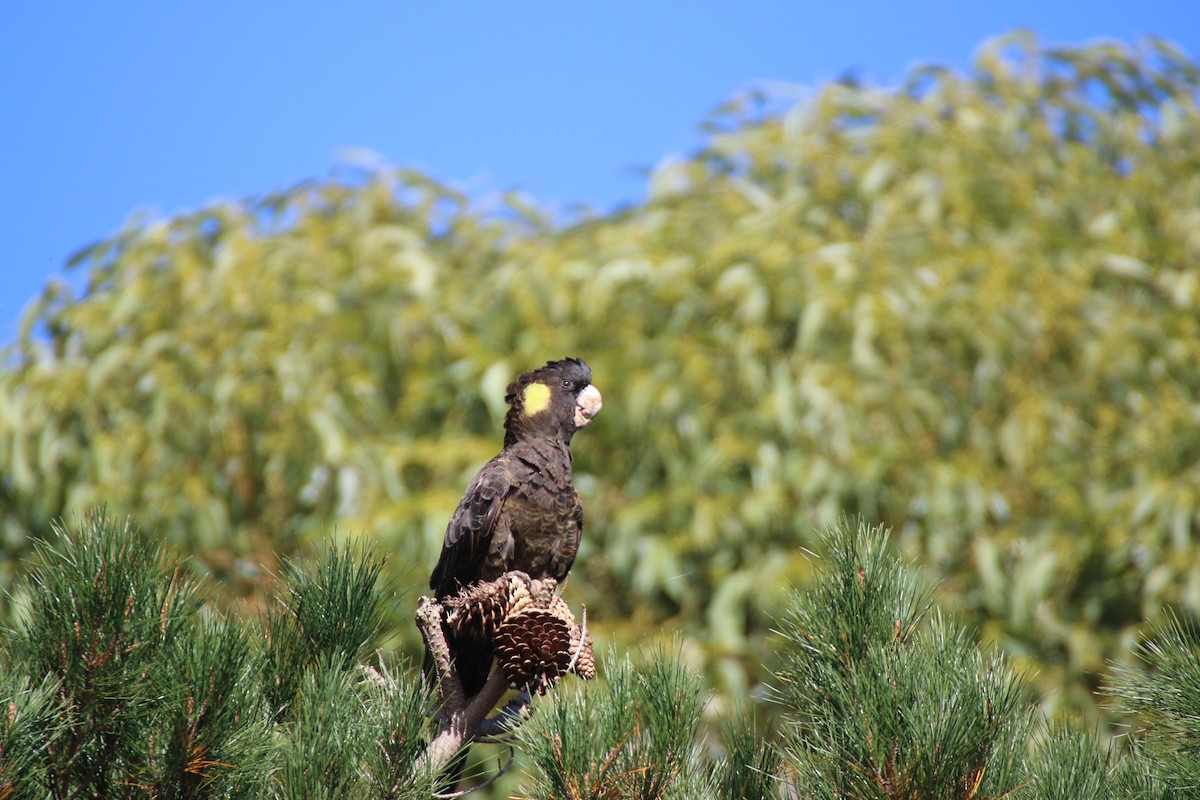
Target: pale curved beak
587, 405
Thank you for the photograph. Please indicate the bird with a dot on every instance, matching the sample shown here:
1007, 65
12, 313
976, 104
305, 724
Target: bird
521, 511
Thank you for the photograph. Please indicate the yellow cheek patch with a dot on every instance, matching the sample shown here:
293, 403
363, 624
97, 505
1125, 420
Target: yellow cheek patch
536, 398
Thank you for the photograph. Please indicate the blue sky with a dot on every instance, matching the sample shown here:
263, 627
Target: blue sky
109, 108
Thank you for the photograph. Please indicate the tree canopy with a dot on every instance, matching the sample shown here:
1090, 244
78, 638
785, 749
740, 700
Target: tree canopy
964, 307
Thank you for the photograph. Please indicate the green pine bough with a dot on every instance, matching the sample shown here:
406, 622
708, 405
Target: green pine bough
119, 677
145, 689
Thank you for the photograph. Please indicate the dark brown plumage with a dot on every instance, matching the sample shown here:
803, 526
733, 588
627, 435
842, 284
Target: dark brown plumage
521, 511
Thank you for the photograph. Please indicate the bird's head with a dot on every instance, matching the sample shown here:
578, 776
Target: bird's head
551, 402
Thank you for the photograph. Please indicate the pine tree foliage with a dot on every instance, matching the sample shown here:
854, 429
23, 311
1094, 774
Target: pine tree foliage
149, 700
1137, 778
749, 767
320, 760
29, 719
398, 729
355, 734
120, 679
630, 735
1072, 763
1067, 763
330, 617
1163, 691
206, 734
887, 698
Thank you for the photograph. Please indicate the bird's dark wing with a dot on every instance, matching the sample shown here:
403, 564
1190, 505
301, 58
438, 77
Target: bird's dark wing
474, 530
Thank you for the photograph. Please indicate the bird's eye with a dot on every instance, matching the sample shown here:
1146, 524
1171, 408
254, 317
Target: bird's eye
567, 384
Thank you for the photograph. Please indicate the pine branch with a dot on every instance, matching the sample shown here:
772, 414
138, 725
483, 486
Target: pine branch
142, 689
1069, 764
461, 720
888, 697
30, 718
750, 768
331, 614
634, 735
1163, 691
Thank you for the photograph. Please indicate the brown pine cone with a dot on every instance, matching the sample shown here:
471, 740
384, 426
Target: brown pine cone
478, 610
533, 649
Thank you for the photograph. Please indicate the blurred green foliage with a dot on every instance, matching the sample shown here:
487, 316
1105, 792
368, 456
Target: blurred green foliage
965, 308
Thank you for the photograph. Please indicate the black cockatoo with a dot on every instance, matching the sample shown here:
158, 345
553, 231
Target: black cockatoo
521, 511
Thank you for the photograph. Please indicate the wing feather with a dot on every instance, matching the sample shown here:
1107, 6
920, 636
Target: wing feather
471, 533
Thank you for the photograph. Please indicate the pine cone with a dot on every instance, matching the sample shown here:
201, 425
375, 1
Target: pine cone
532, 629
533, 649
519, 599
478, 610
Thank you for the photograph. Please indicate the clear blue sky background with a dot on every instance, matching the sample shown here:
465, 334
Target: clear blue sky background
111, 107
